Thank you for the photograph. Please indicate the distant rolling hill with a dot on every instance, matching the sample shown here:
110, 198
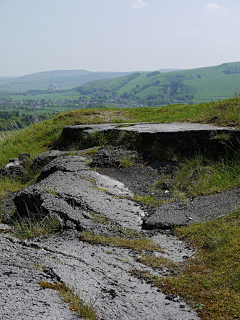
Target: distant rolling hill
5, 79
155, 88
64, 79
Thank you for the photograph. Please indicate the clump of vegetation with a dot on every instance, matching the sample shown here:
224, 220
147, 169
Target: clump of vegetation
35, 225
50, 189
210, 282
152, 261
137, 244
99, 218
77, 304
126, 162
200, 174
151, 200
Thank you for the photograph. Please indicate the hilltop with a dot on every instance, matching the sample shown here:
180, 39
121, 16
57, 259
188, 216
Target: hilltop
156, 88
64, 79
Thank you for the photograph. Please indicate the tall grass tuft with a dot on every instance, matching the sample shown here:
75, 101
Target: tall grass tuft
35, 224
201, 175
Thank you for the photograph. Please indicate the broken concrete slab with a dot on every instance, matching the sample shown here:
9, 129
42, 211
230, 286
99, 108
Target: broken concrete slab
197, 209
103, 276
76, 189
12, 169
165, 131
189, 137
21, 296
45, 157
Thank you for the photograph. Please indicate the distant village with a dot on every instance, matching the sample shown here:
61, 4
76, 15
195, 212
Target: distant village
81, 103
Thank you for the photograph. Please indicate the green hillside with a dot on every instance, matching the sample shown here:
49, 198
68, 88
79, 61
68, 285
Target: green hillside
64, 79
6, 79
155, 88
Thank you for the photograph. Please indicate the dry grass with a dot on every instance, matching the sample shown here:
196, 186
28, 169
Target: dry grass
139, 244
152, 261
35, 225
87, 311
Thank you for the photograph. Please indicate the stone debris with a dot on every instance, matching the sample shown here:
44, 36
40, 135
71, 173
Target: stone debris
15, 167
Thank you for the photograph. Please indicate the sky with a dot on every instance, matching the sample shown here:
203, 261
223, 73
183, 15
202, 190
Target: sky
116, 35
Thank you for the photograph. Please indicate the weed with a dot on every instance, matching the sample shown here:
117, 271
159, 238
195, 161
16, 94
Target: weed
48, 188
125, 260
77, 304
90, 151
126, 162
100, 189
100, 218
151, 201
152, 261
35, 225
138, 244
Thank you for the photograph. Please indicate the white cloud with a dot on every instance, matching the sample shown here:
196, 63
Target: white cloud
138, 4
215, 7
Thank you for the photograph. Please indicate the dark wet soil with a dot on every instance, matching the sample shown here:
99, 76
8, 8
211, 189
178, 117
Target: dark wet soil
139, 179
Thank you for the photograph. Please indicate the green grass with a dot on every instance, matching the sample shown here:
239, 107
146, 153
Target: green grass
39, 137
200, 174
35, 225
126, 162
212, 84
138, 244
149, 200
210, 282
99, 218
152, 261
76, 303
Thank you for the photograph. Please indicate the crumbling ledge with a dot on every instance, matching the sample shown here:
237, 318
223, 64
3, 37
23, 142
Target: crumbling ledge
190, 136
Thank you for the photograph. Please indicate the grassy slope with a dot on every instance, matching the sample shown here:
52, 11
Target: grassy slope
211, 281
36, 138
65, 79
213, 84
57, 95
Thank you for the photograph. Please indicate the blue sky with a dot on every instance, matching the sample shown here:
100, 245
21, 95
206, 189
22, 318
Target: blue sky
116, 35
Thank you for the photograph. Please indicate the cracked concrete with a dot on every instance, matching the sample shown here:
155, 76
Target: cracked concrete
102, 275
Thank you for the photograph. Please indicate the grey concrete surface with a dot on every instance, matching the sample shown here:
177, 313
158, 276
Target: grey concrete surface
197, 209
101, 275
172, 127
21, 297
165, 130
75, 190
